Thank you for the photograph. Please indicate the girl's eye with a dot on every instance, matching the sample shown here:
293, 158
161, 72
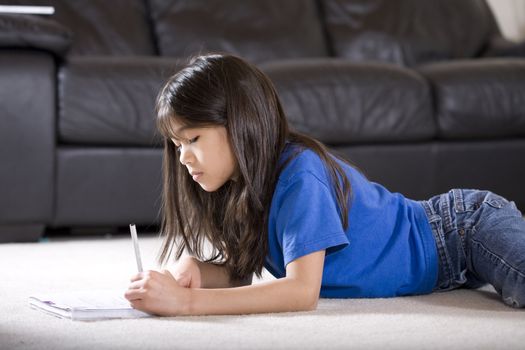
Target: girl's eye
193, 140
190, 141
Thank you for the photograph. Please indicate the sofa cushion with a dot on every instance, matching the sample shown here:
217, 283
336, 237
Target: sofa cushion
258, 30
110, 100
479, 98
101, 27
408, 32
341, 102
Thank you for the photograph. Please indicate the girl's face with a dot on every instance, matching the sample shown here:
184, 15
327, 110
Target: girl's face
207, 155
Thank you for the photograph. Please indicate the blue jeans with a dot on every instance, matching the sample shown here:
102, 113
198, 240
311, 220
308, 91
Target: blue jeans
480, 238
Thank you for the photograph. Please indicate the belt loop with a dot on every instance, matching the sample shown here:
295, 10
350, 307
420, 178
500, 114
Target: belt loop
429, 210
459, 203
446, 208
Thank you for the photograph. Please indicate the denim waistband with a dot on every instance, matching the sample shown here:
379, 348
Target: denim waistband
439, 208
433, 208
441, 211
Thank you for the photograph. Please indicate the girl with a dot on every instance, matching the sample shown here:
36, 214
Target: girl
234, 175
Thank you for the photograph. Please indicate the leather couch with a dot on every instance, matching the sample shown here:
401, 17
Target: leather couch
422, 96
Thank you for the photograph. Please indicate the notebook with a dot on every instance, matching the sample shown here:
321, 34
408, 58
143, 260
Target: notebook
90, 305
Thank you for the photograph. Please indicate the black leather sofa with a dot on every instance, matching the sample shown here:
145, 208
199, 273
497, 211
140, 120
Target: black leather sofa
423, 96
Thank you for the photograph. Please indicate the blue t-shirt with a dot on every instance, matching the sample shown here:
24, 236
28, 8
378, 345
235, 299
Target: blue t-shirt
388, 249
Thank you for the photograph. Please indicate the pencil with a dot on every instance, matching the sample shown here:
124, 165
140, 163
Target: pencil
135, 240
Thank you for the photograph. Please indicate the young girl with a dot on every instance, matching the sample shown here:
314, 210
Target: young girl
235, 176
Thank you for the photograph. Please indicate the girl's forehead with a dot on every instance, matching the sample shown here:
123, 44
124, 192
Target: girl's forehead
174, 123
174, 128
179, 134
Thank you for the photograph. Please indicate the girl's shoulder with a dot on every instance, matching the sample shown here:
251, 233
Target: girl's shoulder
302, 163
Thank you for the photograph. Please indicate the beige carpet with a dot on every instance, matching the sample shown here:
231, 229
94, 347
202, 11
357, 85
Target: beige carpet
454, 320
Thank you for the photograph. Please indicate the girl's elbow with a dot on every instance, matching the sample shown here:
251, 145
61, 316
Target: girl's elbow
312, 304
303, 297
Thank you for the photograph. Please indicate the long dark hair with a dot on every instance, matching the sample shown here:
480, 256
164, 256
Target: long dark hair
224, 90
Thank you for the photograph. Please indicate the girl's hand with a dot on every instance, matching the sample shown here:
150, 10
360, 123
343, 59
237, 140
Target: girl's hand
158, 293
187, 272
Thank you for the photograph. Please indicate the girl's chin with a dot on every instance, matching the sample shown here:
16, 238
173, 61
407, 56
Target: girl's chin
210, 188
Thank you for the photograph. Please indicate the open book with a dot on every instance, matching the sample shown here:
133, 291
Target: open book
86, 305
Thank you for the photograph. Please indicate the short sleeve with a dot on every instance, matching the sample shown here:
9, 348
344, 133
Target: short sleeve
308, 218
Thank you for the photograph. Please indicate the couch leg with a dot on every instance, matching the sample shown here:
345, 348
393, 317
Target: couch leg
21, 233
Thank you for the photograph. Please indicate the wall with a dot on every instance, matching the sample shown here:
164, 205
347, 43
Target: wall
510, 15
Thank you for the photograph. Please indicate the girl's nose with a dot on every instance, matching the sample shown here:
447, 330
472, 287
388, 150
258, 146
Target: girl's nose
185, 156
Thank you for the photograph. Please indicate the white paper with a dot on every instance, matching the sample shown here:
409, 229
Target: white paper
89, 305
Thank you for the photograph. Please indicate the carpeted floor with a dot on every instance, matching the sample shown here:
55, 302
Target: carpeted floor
455, 320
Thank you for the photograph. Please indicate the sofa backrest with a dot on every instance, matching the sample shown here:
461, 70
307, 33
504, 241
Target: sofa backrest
102, 27
408, 32
258, 30
405, 32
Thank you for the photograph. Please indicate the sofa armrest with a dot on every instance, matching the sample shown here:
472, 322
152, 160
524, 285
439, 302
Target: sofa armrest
33, 32
27, 142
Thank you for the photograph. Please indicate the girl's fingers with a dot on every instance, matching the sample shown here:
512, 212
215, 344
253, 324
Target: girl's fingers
134, 294
184, 281
136, 285
144, 274
167, 273
137, 277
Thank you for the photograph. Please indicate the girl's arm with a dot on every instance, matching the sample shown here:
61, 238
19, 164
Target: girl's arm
192, 273
216, 276
159, 293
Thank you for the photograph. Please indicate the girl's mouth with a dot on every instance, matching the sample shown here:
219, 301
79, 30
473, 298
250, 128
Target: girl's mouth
196, 176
